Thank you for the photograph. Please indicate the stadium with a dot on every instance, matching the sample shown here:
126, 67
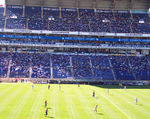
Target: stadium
74, 59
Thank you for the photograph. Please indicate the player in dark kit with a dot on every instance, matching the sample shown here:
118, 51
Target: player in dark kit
93, 94
136, 100
95, 109
48, 87
45, 103
46, 112
78, 85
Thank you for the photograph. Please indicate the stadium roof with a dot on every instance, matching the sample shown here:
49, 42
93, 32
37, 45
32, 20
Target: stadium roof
102, 4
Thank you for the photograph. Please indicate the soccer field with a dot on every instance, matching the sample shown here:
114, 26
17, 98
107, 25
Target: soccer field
20, 101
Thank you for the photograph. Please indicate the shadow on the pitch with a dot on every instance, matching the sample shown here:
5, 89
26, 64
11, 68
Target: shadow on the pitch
140, 104
49, 108
50, 117
118, 87
100, 113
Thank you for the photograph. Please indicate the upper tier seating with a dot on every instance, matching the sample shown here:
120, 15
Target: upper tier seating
67, 19
14, 10
32, 11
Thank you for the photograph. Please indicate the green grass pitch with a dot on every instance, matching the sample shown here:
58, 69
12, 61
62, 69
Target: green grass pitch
19, 101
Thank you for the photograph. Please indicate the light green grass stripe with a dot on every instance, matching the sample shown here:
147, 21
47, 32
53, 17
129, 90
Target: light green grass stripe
29, 102
19, 104
9, 101
4, 90
35, 110
71, 104
51, 100
70, 110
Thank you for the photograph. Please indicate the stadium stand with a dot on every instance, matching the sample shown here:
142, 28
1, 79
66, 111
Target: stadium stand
66, 19
122, 68
4, 62
77, 65
40, 66
101, 68
20, 65
140, 67
61, 66
83, 67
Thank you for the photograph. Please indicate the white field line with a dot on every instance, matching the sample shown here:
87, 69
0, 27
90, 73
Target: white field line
117, 107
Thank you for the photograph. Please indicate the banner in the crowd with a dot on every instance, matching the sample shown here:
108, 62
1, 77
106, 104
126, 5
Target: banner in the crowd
69, 9
50, 9
15, 6
72, 38
75, 33
103, 11
121, 11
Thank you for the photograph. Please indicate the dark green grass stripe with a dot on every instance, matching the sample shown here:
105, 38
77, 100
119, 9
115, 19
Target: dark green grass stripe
46, 96
72, 102
85, 100
62, 102
51, 101
37, 103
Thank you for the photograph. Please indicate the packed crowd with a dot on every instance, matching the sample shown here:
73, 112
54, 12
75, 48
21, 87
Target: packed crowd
61, 66
140, 67
101, 68
4, 62
20, 65
40, 66
121, 68
82, 67
36, 65
86, 20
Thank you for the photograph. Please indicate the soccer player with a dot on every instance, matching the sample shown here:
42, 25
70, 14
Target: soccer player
59, 87
46, 112
93, 94
48, 87
45, 103
136, 100
32, 87
108, 91
78, 85
95, 109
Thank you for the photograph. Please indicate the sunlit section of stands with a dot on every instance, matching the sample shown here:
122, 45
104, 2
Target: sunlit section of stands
79, 20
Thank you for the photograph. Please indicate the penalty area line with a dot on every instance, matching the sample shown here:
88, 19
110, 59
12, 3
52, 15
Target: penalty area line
117, 107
